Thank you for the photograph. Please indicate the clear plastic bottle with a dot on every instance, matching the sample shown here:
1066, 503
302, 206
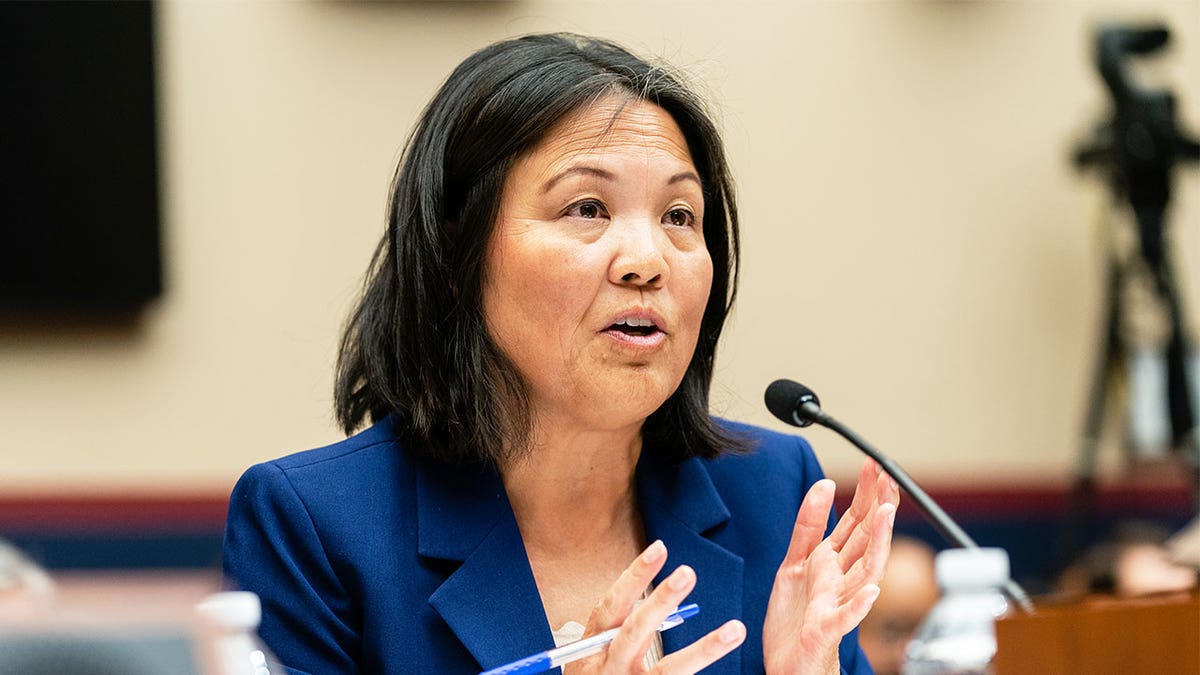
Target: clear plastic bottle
959, 635
233, 647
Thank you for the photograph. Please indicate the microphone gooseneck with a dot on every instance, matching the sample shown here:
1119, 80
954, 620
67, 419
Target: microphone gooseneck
796, 404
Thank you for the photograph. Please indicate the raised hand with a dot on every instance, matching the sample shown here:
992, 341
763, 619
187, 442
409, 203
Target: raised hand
826, 585
639, 622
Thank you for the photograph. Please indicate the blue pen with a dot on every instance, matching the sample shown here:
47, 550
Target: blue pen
539, 663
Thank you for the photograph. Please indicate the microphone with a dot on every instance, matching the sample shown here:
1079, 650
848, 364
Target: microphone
796, 404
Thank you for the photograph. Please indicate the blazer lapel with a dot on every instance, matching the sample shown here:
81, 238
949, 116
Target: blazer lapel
681, 506
491, 601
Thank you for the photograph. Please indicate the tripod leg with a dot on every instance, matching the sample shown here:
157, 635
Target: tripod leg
1077, 520
1182, 408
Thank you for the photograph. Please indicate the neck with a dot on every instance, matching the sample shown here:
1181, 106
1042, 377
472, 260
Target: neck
575, 486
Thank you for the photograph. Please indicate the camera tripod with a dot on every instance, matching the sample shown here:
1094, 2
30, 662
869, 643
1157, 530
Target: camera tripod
1135, 151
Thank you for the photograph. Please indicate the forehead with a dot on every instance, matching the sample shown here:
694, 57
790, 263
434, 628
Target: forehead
612, 124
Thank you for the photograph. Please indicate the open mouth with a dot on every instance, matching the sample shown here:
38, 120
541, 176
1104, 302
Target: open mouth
635, 326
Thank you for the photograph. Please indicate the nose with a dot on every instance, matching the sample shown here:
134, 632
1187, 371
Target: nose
639, 259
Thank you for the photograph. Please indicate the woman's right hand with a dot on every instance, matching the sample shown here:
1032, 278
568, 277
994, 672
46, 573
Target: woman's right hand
639, 622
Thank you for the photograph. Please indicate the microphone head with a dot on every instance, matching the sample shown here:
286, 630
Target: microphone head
784, 398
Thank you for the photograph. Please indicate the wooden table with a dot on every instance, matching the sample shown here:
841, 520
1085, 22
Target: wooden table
1103, 635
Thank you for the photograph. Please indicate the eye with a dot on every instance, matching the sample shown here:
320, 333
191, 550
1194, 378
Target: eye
680, 218
589, 209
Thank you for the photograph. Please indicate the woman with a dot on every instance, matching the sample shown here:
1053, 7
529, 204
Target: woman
534, 346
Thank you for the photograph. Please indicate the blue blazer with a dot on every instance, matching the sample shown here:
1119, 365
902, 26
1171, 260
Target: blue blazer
371, 560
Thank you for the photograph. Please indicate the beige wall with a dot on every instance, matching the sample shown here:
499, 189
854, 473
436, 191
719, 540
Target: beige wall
917, 247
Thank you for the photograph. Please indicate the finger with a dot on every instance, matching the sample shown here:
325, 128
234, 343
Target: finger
618, 602
820, 580
825, 577
631, 642
705, 651
831, 615
864, 498
860, 538
851, 613
811, 521
869, 569
891, 492
886, 492
881, 543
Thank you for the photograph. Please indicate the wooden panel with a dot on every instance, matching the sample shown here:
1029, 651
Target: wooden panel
1102, 635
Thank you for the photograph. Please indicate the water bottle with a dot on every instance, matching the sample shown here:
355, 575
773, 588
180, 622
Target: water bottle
959, 635
233, 647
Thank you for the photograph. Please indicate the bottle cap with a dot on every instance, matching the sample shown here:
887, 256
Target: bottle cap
965, 568
235, 610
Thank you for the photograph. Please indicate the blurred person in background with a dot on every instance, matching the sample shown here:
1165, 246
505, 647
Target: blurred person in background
1134, 560
907, 591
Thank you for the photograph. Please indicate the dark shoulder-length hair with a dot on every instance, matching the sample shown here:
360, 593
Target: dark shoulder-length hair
417, 344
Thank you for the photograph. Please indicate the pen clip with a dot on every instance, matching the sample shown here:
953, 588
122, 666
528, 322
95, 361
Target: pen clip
675, 618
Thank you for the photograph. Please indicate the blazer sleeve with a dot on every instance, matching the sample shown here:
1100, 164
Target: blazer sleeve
853, 660
273, 548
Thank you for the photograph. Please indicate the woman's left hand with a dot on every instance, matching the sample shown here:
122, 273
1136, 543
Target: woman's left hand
826, 585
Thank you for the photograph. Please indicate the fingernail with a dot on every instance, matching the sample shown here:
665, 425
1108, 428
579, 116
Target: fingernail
731, 632
654, 552
680, 578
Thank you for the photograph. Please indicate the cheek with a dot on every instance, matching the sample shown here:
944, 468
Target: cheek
697, 284
536, 289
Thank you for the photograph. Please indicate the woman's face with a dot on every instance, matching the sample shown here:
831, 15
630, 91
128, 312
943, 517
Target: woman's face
597, 274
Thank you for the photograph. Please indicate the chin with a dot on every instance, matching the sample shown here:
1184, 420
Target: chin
630, 406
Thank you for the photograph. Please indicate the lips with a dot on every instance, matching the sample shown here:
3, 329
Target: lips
639, 328
634, 326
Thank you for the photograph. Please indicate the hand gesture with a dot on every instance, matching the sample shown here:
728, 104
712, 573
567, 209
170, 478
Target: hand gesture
639, 622
826, 585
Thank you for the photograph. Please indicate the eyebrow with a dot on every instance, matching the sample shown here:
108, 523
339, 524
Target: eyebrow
609, 176
685, 175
